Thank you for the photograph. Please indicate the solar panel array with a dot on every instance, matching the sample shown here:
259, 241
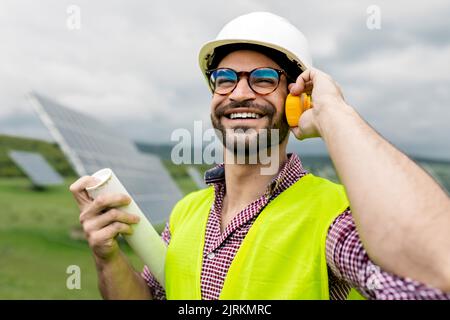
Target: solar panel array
37, 169
91, 145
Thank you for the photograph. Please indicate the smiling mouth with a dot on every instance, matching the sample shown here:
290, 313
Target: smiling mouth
243, 115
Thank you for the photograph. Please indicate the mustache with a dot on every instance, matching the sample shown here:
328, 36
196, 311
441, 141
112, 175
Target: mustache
266, 109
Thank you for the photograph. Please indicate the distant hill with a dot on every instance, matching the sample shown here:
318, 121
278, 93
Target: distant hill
163, 151
50, 151
320, 165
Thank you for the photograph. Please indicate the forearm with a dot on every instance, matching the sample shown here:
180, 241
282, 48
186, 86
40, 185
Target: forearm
349, 262
401, 214
118, 280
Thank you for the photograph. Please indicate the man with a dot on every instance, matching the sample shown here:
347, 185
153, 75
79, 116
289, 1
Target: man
286, 235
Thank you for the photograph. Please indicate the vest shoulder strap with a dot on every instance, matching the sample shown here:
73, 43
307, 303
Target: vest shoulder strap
192, 204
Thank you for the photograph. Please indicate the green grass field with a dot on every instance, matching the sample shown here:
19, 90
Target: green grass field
36, 247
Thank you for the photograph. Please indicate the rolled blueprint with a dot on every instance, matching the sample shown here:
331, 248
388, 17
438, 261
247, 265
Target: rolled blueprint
144, 241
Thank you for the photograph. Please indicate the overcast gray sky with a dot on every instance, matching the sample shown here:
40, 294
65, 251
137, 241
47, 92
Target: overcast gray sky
134, 63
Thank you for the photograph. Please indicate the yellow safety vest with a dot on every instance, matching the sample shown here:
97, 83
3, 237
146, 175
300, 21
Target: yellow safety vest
281, 257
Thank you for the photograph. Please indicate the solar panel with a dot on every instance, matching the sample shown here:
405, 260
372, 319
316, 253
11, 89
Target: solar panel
196, 177
91, 145
36, 168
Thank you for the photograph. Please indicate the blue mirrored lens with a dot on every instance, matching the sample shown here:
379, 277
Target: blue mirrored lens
223, 78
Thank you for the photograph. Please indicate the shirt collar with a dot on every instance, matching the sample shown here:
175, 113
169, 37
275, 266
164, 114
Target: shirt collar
291, 169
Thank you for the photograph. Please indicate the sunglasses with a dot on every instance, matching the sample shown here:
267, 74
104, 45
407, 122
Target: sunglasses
261, 80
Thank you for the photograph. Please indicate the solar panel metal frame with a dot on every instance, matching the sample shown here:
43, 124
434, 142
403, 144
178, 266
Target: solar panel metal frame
91, 145
36, 168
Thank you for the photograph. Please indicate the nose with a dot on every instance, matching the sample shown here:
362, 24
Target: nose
242, 92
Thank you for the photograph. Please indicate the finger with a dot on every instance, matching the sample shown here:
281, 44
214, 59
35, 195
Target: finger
78, 189
82, 183
310, 75
305, 129
304, 82
308, 88
103, 202
290, 85
293, 90
111, 231
113, 215
299, 86
306, 125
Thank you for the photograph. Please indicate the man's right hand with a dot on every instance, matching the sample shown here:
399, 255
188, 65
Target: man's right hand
101, 220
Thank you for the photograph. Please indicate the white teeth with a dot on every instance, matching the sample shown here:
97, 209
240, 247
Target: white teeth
244, 115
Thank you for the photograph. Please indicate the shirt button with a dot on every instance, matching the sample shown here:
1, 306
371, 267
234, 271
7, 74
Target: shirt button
211, 255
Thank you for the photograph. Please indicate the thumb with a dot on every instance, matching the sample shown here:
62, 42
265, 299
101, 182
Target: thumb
307, 126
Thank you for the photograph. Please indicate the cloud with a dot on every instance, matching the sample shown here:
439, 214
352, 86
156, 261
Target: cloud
134, 63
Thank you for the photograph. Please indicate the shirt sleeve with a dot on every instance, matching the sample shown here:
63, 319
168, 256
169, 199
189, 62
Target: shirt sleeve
156, 288
348, 260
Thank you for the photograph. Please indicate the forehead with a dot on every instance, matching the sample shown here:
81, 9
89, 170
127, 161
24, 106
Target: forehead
246, 60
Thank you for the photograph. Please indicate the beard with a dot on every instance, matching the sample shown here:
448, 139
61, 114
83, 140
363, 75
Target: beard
244, 138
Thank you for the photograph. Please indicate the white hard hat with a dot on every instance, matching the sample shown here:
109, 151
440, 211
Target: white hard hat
263, 29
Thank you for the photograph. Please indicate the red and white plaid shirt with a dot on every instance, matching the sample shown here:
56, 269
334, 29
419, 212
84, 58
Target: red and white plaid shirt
348, 262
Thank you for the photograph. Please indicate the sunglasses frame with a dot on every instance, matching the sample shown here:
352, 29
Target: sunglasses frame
247, 74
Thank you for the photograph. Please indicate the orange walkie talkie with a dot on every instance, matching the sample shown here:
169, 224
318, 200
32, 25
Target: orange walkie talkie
295, 106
